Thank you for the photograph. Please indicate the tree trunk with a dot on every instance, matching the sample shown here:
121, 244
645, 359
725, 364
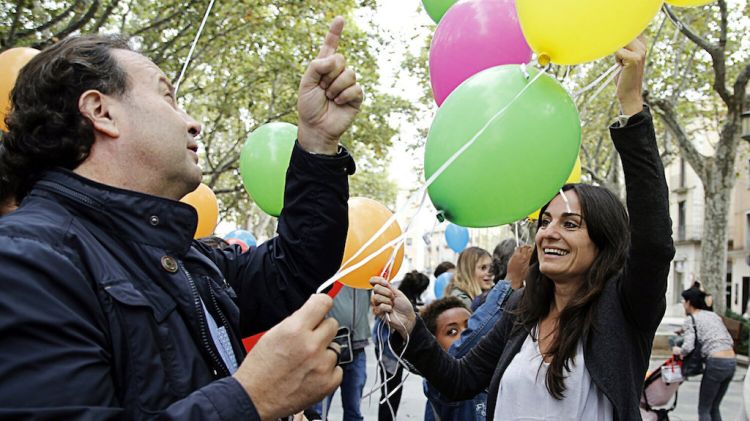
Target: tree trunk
714, 241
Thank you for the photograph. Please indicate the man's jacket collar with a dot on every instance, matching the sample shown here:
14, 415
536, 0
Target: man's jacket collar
133, 216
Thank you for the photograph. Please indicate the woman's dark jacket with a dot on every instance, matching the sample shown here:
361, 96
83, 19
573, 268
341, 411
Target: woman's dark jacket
628, 311
100, 306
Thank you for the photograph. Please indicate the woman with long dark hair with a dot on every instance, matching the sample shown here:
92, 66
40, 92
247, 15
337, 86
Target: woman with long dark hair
575, 343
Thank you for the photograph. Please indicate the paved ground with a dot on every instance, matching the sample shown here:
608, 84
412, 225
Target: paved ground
413, 400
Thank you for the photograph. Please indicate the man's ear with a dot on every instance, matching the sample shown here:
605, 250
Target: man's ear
95, 106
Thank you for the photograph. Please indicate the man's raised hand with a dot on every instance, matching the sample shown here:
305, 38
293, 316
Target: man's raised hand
329, 96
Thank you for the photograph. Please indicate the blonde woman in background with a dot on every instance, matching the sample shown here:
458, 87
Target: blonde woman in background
473, 275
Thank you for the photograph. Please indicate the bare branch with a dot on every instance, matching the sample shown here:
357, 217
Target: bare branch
76, 25
665, 110
161, 21
105, 15
685, 29
717, 52
10, 40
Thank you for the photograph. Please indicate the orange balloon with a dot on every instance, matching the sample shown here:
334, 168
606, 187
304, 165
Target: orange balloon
11, 62
366, 217
204, 201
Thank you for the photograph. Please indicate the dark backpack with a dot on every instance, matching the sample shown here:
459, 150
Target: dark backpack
693, 363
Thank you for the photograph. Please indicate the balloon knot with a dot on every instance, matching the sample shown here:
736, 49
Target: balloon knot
440, 216
543, 59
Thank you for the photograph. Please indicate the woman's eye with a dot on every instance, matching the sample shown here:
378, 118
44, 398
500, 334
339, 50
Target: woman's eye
544, 223
452, 332
570, 225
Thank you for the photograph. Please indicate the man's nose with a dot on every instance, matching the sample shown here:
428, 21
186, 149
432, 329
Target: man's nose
194, 127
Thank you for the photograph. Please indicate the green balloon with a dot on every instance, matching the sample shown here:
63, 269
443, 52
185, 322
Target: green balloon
263, 163
518, 163
437, 8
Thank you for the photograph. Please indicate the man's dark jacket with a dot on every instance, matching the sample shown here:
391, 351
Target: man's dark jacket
100, 307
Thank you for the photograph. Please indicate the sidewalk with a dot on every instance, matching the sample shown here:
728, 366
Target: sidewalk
413, 400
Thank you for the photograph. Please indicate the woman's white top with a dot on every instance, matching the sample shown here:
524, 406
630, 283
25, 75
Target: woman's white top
523, 394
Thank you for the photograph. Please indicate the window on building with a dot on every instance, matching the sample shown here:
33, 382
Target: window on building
681, 220
682, 172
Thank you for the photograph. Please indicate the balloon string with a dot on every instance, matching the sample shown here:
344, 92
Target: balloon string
599, 90
515, 225
192, 48
423, 191
596, 81
565, 199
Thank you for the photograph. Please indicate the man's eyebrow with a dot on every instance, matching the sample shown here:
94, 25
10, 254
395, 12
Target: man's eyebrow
163, 79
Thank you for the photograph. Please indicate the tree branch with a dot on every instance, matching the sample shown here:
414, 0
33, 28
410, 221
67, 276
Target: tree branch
717, 52
105, 15
76, 25
665, 110
10, 40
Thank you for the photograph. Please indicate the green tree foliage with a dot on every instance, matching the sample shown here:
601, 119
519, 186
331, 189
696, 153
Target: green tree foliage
244, 73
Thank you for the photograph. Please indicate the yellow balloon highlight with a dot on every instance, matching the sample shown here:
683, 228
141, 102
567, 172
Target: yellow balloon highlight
689, 3
574, 177
578, 31
366, 216
204, 201
11, 62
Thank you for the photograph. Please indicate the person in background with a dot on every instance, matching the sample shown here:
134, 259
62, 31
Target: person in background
351, 308
717, 349
479, 325
446, 318
500, 257
444, 267
389, 368
430, 294
473, 275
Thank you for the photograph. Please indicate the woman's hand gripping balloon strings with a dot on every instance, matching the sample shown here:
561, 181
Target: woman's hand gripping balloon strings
392, 305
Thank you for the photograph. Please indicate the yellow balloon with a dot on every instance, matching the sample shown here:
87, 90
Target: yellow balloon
578, 31
574, 177
11, 62
204, 201
689, 3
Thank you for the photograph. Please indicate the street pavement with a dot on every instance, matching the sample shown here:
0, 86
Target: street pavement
413, 400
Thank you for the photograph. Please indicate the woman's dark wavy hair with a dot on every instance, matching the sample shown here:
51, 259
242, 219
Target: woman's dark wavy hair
45, 126
607, 223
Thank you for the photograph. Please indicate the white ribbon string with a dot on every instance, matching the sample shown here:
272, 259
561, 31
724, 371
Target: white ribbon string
192, 48
422, 191
596, 81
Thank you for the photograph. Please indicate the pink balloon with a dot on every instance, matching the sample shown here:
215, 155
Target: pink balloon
472, 36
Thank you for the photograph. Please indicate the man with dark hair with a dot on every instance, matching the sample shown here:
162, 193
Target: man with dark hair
109, 310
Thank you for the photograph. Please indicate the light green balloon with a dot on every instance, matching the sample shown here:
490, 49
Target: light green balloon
518, 163
264, 160
437, 8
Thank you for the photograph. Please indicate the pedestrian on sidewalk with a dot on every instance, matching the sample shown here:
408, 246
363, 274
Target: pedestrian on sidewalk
706, 328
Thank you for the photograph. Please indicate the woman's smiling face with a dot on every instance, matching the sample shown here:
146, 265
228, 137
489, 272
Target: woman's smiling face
564, 248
